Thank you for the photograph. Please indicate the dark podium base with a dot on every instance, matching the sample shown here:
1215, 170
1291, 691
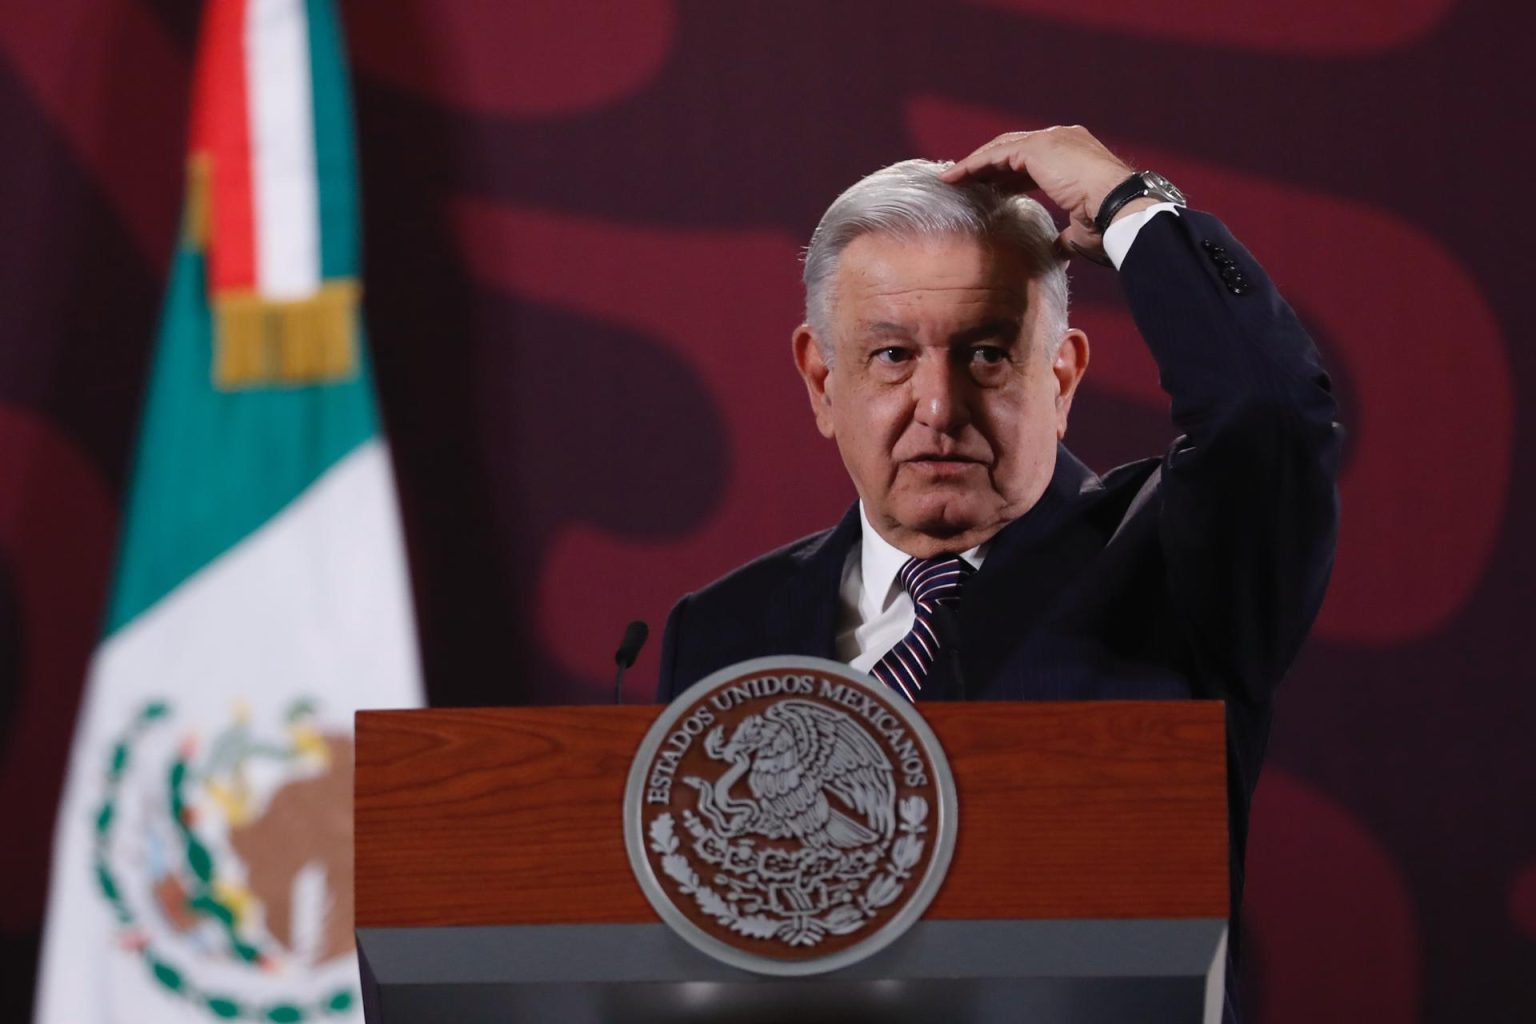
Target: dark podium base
1078, 972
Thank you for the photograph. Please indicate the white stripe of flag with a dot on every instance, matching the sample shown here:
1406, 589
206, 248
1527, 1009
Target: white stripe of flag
283, 184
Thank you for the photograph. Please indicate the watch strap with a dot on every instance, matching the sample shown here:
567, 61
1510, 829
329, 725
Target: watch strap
1130, 189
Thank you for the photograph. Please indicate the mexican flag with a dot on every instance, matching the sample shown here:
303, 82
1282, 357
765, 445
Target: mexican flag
203, 859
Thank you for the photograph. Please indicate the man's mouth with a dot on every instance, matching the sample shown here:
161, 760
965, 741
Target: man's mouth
941, 464
935, 457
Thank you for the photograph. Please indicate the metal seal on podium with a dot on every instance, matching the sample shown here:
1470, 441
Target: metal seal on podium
790, 816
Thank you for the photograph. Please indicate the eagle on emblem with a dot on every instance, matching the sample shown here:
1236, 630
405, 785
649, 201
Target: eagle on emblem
794, 755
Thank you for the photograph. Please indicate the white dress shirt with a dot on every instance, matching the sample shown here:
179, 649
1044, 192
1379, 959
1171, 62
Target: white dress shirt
876, 611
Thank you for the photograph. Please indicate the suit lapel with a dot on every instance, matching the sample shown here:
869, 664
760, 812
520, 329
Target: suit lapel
1027, 565
804, 614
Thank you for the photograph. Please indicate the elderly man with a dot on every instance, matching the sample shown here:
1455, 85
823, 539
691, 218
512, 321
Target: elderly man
984, 561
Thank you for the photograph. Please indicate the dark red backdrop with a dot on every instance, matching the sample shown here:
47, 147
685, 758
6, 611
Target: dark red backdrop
582, 221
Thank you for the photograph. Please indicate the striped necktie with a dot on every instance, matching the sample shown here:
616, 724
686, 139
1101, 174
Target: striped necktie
931, 582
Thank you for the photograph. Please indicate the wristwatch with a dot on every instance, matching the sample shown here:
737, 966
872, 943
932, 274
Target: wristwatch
1141, 183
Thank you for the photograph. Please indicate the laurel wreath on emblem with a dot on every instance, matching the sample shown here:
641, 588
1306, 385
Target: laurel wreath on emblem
199, 863
821, 885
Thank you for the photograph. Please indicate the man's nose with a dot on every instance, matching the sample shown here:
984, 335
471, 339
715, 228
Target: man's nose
938, 391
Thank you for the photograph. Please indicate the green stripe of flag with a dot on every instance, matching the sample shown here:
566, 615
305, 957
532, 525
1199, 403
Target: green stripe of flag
335, 159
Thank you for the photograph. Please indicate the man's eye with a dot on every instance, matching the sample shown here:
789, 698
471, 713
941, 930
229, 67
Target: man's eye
892, 355
988, 355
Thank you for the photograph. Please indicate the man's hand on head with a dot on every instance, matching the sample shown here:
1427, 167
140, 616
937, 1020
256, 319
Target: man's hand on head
1072, 168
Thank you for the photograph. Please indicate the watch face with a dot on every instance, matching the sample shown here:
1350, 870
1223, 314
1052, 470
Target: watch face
1161, 188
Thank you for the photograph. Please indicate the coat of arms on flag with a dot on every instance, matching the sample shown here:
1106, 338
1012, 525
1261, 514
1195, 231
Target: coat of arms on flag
231, 852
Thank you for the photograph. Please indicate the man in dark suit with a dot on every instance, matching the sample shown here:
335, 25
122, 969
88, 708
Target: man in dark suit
937, 355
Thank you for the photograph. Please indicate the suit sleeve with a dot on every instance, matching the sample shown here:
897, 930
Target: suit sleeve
1248, 518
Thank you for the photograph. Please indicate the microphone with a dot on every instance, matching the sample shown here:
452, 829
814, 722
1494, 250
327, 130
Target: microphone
629, 649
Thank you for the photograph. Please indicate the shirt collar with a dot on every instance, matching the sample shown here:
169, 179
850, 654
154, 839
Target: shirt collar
880, 561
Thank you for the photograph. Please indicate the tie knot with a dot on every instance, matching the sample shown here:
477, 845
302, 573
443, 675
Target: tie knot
930, 580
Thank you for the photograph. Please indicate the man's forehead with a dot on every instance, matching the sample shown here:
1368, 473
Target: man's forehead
943, 268
1007, 324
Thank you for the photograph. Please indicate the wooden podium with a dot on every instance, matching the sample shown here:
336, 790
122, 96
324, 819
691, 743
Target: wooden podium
1089, 879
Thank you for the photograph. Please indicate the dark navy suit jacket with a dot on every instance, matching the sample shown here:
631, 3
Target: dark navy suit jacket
1193, 575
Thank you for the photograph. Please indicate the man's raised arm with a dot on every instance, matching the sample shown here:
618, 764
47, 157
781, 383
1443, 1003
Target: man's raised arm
1248, 508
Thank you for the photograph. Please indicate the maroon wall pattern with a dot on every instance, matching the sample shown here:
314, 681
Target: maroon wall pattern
582, 225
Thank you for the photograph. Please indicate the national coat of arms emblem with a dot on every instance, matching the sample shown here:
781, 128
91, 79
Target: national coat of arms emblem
789, 815
225, 857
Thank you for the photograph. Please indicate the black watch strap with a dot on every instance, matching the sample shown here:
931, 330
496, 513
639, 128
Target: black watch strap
1140, 183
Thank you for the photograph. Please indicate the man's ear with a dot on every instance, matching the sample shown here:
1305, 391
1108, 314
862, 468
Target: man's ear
1068, 367
814, 370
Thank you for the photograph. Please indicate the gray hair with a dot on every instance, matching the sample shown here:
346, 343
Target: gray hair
908, 199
